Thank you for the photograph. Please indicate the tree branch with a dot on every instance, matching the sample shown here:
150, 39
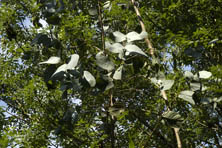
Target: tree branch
112, 133
101, 25
148, 42
176, 130
150, 46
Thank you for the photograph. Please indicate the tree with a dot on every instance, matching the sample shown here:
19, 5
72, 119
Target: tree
111, 73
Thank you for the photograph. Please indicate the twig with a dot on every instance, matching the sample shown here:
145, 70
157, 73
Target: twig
176, 130
112, 136
101, 25
20, 118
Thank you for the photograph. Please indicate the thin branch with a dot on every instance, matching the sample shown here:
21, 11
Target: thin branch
147, 40
101, 25
176, 130
111, 99
112, 133
20, 118
152, 50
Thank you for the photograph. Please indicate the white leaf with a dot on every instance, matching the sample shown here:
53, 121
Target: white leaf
92, 11
195, 77
118, 73
132, 36
90, 78
206, 100
154, 81
121, 56
188, 74
52, 60
214, 105
103, 62
134, 49
114, 48
61, 68
107, 5
109, 85
143, 34
213, 41
120, 37
105, 28
204, 88
195, 86
219, 99
108, 45
187, 96
167, 84
205, 74
73, 62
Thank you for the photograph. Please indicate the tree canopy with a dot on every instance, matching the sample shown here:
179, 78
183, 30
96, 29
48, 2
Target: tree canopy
111, 74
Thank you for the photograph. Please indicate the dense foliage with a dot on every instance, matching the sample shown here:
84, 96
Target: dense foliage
86, 73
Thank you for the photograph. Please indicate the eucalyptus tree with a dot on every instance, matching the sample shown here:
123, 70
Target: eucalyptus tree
120, 73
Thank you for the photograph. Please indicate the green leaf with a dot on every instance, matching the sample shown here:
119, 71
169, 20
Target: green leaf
192, 52
49, 72
172, 115
118, 73
52, 60
90, 78
41, 39
62, 6
103, 62
53, 20
134, 49
187, 96
131, 143
73, 62
205, 74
